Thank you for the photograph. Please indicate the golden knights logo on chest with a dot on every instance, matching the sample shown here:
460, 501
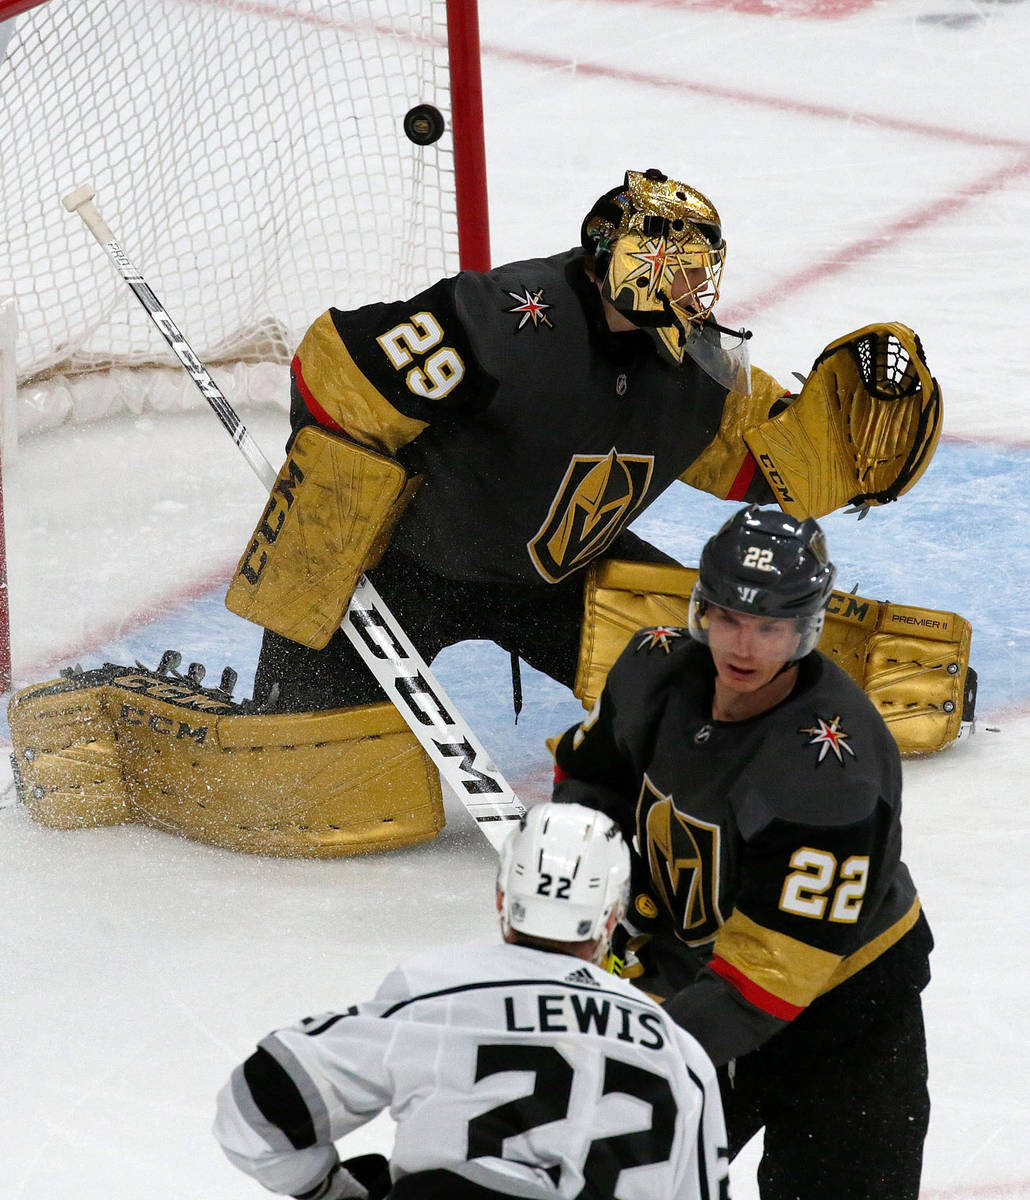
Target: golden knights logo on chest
598, 497
682, 854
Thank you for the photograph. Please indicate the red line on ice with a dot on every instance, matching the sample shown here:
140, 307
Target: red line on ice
820, 10
886, 235
845, 258
144, 615
755, 99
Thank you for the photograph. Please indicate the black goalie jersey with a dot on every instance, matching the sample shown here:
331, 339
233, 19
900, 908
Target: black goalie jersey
540, 434
771, 846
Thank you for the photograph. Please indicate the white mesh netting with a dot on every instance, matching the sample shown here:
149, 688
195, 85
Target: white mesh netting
250, 159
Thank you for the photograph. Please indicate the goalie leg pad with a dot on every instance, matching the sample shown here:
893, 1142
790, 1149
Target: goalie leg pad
329, 518
65, 758
913, 663
345, 781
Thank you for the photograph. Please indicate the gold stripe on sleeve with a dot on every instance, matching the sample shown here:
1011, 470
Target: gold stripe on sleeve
715, 469
872, 950
791, 970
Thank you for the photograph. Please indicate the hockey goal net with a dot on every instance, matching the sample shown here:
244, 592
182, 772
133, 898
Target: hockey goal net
252, 157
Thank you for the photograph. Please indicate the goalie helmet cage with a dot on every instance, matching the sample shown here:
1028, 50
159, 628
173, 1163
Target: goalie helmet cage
253, 153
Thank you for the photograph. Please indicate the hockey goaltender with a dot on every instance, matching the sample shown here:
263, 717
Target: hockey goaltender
479, 450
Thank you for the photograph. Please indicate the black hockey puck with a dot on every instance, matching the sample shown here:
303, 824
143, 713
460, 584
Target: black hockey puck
423, 124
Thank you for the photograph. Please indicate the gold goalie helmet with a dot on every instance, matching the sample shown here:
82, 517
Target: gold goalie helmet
658, 254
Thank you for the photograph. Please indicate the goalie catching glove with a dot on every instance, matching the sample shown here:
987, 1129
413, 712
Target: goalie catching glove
862, 431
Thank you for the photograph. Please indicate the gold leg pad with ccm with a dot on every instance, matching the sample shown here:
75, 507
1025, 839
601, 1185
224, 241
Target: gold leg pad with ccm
913, 663
329, 518
123, 744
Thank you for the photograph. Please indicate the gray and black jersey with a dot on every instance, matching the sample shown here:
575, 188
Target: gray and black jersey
772, 846
506, 1068
540, 433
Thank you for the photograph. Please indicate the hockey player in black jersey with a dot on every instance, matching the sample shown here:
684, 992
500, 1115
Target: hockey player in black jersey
543, 405
771, 907
515, 1070
480, 450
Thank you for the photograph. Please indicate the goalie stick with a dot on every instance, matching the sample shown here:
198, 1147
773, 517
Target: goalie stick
384, 647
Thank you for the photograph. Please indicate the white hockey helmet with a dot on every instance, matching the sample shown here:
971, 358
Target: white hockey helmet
563, 872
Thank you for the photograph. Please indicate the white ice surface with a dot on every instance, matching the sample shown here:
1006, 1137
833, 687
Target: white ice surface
868, 167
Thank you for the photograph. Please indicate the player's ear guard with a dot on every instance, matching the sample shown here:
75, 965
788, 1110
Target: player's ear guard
123, 744
913, 663
328, 519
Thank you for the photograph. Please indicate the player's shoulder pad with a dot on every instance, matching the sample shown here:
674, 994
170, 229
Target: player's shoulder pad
827, 757
659, 639
416, 352
651, 659
521, 308
435, 968
836, 688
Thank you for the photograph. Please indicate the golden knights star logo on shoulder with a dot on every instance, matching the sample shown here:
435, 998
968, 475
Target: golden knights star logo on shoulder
828, 735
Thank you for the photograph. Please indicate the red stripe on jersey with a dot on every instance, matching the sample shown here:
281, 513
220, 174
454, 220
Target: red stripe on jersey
316, 410
559, 774
756, 995
740, 485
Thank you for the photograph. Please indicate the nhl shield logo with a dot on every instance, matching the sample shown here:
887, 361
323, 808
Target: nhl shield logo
598, 497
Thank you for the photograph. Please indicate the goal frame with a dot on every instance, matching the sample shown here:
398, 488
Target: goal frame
463, 56
469, 150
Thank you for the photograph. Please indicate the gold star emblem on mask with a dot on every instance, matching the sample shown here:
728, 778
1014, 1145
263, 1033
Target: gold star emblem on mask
656, 257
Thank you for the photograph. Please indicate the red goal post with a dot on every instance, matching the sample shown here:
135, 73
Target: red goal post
253, 157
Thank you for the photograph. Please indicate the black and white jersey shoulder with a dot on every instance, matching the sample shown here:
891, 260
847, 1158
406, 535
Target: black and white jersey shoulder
529, 1073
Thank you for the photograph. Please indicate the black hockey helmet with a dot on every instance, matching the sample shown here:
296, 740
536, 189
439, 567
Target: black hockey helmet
766, 563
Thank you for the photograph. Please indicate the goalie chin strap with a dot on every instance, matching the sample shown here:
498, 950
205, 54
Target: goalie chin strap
397, 666
744, 335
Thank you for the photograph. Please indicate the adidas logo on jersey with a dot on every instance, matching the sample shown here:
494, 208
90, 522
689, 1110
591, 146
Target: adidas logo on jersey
582, 975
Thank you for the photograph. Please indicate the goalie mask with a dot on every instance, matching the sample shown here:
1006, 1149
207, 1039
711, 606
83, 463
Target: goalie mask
658, 252
563, 872
765, 563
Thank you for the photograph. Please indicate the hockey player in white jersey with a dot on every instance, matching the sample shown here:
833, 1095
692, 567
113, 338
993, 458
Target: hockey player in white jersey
519, 1069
